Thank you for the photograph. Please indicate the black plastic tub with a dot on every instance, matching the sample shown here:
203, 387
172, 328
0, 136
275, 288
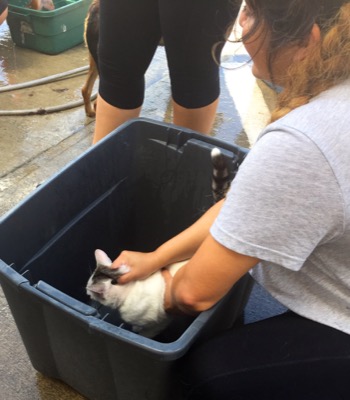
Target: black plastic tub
138, 187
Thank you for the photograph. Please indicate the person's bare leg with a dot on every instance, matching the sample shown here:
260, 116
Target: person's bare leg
199, 119
109, 117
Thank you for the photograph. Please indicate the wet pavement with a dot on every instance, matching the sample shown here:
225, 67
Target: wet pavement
34, 147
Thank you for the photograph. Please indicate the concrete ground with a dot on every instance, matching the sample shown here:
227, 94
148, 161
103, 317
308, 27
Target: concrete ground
34, 147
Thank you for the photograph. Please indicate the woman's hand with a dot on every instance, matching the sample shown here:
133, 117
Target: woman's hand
180, 247
141, 265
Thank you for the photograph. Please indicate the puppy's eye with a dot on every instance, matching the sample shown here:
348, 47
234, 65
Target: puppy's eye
114, 282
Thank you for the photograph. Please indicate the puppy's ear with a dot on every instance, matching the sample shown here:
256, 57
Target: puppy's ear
102, 259
112, 273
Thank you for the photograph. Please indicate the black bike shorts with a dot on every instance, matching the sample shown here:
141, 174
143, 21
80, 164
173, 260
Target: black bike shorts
130, 31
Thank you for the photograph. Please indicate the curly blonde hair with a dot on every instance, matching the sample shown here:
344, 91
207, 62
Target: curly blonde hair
327, 65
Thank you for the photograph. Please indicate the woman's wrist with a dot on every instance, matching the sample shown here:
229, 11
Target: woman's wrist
160, 258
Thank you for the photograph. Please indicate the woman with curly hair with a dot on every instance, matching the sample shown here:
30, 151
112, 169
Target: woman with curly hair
286, 220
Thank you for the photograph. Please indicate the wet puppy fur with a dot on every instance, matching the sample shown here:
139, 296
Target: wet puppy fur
91, 37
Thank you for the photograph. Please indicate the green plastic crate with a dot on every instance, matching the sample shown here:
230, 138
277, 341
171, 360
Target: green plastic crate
49, 32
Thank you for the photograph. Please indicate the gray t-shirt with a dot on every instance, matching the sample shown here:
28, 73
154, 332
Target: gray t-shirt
289, 206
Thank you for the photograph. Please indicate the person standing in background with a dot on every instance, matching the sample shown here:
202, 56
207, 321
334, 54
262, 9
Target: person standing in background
194, 33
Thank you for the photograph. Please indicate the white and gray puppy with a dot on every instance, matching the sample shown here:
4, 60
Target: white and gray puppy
140, 303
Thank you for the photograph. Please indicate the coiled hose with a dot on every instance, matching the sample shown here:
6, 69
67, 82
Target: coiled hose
41, 81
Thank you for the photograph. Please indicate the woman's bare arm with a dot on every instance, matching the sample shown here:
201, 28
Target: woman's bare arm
180, 247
